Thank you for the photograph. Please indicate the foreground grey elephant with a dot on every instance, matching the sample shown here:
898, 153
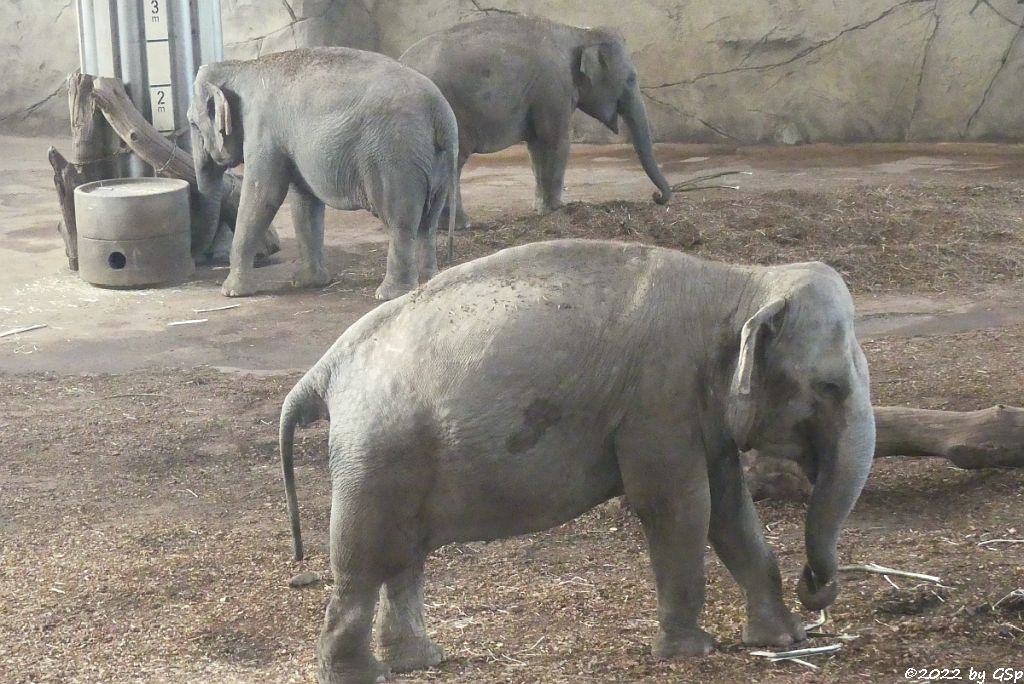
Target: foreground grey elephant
514, 392
511, 78
346, 128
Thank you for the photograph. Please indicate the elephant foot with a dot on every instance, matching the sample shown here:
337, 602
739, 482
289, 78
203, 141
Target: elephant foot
388, 290
691, 643
462, 222
238, 285
306, 277
413, 653
548, 207
427, 273
777, 628
366, 673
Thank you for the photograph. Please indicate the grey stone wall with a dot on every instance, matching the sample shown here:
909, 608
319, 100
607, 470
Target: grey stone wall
38, 49
782, 71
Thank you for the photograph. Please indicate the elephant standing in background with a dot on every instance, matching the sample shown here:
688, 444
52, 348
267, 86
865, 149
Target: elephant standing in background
471, 410
511, 78
341, 127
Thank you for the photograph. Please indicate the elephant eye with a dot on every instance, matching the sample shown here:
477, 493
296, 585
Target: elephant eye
835, 391
631, 79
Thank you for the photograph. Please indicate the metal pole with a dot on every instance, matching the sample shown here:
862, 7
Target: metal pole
182, 66
216, 53
87, 36
132, 48
207, 38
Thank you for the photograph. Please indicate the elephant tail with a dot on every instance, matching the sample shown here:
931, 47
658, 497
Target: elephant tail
302, 405
453, 200
446, 163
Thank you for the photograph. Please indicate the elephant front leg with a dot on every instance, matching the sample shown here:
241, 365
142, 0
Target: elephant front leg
308, 219
667, 487
262, 195
549, 154
736, 536
401, 630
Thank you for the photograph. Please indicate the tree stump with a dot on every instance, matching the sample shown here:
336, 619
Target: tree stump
94, 148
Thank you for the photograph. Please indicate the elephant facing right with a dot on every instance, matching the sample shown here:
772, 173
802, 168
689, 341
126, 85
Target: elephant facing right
472, 409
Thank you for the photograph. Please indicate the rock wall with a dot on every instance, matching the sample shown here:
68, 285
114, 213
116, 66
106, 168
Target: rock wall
777, 71
38, 49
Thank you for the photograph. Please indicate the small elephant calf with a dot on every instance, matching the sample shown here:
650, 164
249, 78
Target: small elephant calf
515, 392
341, 127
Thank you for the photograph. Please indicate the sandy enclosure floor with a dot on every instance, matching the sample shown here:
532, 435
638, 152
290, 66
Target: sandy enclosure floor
143, 534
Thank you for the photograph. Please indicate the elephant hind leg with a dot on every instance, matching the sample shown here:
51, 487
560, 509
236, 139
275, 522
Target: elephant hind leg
345, 652
344, 648
426, 235
402, 215
401, 631
665, 480
308, 220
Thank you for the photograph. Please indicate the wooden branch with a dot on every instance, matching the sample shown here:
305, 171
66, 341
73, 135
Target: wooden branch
166, 158
65, 179
990, 438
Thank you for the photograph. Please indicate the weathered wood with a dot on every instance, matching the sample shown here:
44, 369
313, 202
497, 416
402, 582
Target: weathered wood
93, 149
65, 179
989, 438
93, 144
166, 158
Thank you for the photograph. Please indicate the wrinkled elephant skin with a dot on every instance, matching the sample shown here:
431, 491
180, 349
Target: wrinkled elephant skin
475, 410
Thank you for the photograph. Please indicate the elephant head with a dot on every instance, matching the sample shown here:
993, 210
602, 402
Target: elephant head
216, 146
609, 89
800, 390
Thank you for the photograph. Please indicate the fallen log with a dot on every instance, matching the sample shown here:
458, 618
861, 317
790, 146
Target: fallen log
989, 438
166, 158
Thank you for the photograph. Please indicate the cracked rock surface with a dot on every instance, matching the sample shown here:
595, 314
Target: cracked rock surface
779, 71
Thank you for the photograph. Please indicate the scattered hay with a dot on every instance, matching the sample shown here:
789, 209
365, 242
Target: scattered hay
917, 238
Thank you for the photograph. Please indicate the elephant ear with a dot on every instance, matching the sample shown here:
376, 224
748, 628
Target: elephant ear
742, 392
219, 113
594, 61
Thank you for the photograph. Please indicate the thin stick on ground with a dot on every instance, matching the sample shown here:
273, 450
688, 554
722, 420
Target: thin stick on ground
217, 308
1015, 594
17, 331
691, 184
798, 654
881, 570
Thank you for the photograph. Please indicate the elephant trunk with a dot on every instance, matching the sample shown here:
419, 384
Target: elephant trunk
631, 109
210, 179
842, 471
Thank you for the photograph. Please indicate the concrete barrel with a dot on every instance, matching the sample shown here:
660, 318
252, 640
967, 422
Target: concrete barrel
133, 232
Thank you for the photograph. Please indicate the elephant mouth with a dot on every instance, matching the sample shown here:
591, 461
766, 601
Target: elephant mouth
612, 122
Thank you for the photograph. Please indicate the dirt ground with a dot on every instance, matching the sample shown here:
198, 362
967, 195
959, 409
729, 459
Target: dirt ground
143, 534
